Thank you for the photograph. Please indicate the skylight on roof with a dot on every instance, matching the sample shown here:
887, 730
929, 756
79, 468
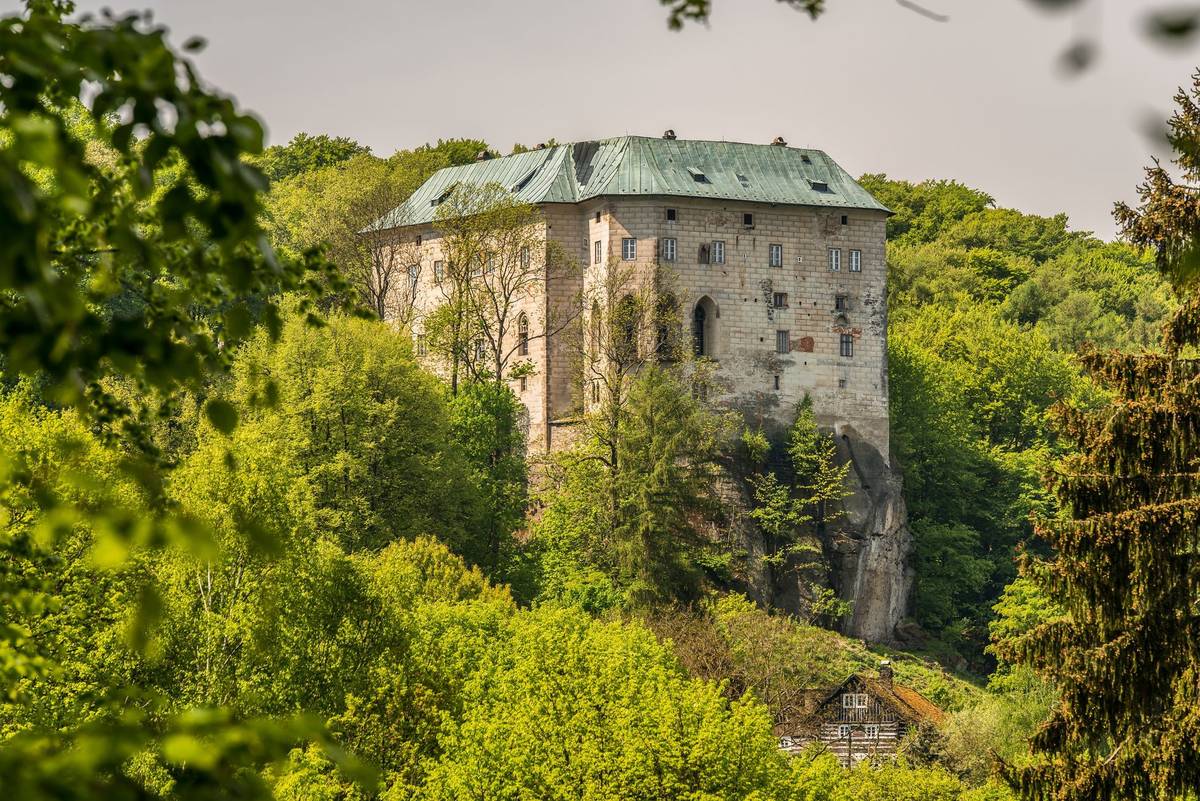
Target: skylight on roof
698, 175
743, 180
819, 186
804, 157
521, 184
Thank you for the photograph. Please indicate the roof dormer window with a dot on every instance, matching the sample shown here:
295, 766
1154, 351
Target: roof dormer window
818, 186
524, 182
698, 176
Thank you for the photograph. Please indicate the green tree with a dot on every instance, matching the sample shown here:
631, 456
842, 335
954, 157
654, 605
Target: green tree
305, 153
1123, 654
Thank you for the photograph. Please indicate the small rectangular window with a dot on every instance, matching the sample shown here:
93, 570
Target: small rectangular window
839, 303
847, 344
856, 261
525, 258
629, 249
847, 700
779, 300
783, 341
835, 260
419, 239
439, 270
422, 346
843, 731
748, 220
479, 351
718, 252
845, 220
597, 216
521, 383
669, 247
871, 731
776, 255
595, 391
671, 217
597, 252
776, 382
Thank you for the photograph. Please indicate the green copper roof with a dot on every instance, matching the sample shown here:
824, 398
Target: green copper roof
636, 165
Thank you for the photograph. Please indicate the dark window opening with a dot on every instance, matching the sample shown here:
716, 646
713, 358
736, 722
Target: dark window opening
523, 336
840, 303
597, 216
779, 300
847, 345
671, 217
748, 220
845, 220
698, 176
776, 382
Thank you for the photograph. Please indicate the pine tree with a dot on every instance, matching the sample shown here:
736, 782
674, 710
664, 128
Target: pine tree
1126, 655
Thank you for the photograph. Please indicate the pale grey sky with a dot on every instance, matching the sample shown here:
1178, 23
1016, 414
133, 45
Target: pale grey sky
882, 89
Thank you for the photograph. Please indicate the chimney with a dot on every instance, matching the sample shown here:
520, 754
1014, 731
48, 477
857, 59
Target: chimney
483, 155
885, 672
779, 141
668, 134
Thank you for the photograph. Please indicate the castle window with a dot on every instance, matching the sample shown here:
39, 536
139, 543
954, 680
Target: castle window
671, 215
783, 341
669, 247
422, 347
840, 303
439, 270
525, 258
718, 252
418, 239
597, 250
595, 392
414, 273
818, 186
776, 252
704, 328
522, 336
521, 383
748, 220
698, 176
776, 382
847, 345
629, 249
835, 260
479, 351
845, 220
779, 300
856, 261
597, 216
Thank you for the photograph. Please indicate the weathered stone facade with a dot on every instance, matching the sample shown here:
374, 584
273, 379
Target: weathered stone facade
787, 298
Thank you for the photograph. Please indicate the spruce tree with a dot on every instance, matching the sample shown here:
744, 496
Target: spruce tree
1126, 655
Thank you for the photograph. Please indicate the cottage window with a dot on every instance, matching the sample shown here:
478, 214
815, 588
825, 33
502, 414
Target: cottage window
783, 341
776, 255
872, 732
718, 252
843, 731
629, 249
835, 260
779, 300
597, 252
856, 261
847, 345
669, 247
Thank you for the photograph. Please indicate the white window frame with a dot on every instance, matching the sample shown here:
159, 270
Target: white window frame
843, 731
775, 259
628, 249
597, 252
847, 700
670, 248
835, 260
717, 255
855, 261
871, 731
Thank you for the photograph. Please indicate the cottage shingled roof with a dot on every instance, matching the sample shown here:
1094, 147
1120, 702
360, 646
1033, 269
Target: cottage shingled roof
909, 703
638, 165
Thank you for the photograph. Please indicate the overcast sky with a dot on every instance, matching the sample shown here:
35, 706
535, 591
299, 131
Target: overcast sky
880, 88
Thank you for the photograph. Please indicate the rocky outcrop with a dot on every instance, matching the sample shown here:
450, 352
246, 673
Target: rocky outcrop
870, 556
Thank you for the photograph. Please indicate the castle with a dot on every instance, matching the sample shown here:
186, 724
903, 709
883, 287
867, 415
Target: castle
773, 260
776, 257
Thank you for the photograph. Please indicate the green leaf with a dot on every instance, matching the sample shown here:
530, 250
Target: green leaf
222, 415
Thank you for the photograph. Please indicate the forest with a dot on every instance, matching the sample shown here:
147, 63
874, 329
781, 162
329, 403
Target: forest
251, 548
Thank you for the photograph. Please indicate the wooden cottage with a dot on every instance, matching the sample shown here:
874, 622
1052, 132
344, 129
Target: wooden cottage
864, 717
